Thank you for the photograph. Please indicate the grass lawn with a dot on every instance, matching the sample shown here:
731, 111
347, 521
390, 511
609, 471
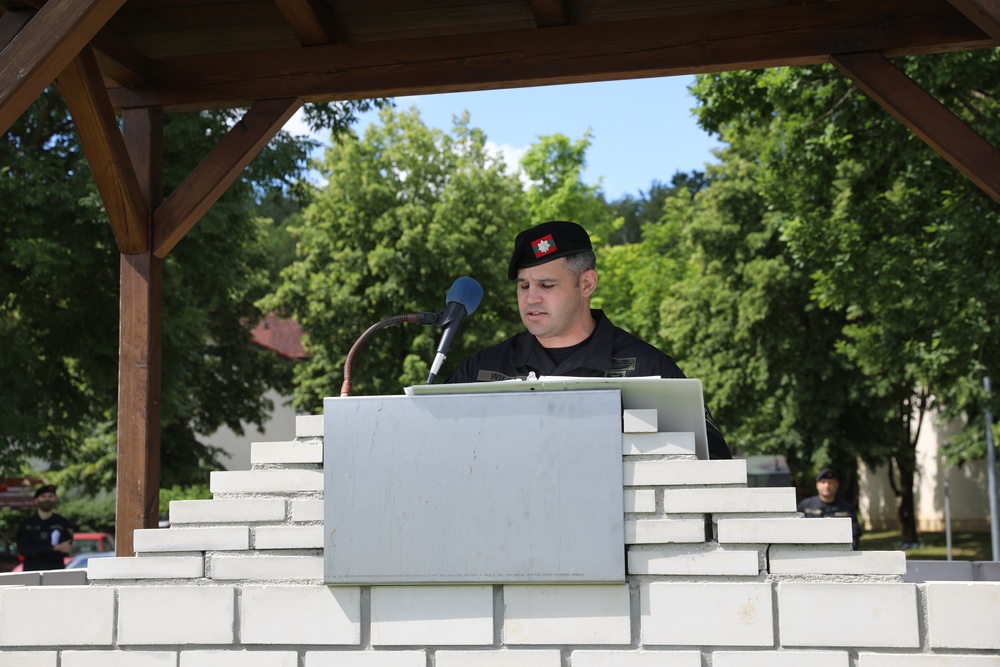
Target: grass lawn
964, 546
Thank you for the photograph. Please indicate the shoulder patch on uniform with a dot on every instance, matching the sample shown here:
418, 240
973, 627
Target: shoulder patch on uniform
494, 376
620, 367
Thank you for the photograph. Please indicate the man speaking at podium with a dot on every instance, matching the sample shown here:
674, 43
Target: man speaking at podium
555, 269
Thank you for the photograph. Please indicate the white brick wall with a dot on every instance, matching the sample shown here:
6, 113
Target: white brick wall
56, 616
518, 658
662, 473
238, 658
366, 659
219, 538
265, 481
432, 615
238, 581
168, 615
664, 531
288, 537
286, 452
227, 510
866, 625
713, 501
640, 500
911, 660
796, 560
267, 568
963, 615
784, 531
566, 614
152, 567
317, 615
636, 659
28, 658
662, 444
693, 561
780, 659
117, 659
691, 614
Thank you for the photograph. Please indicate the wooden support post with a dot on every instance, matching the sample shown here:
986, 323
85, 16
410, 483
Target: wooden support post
140, 359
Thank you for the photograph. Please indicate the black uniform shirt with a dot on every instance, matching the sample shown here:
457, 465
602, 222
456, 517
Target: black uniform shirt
34, 541
815, 508
609, 352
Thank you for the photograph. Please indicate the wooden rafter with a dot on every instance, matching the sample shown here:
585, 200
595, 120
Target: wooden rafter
550, 13
930, 120
984, 13
33, 58
312, 21
195, 195
102, 141
804, 34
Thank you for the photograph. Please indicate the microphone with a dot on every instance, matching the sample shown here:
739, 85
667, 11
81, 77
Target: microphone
462, 300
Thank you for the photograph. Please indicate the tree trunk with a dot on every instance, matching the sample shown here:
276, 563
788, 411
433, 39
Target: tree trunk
905, 506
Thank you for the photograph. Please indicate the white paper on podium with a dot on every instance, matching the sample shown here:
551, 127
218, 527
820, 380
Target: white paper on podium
679, 402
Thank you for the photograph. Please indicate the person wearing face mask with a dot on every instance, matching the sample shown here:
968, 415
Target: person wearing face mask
44, 538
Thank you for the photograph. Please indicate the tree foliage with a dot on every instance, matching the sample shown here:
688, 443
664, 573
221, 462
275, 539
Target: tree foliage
406, 210
870, 263
59, 317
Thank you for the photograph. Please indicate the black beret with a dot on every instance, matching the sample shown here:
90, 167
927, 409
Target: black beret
545, 242
47, 488
827, 473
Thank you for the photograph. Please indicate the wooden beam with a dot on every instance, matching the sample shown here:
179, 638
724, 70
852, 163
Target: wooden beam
930, 120
11, 23
312, 21
140, 357
102, 142
44, 47
984, 13
798, 35
550, 13
185, 206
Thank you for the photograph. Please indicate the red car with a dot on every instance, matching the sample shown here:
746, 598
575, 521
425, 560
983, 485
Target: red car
84, 543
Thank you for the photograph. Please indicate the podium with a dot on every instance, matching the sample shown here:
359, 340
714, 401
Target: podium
506, 487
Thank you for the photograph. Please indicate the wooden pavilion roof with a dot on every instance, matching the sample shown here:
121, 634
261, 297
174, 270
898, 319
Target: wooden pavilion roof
174, 54
137, 59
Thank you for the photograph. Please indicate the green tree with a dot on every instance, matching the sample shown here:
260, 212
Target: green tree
59, 317
554, 165
406, 210
897, 248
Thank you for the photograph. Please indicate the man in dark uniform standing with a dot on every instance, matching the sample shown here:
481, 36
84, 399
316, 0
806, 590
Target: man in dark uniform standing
827, 504
555, 269
44, 538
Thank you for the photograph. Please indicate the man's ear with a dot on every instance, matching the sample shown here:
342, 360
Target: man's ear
588, 283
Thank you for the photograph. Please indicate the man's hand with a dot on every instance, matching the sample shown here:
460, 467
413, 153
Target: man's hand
65, 547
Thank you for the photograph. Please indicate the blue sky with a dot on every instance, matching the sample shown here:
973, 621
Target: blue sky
641, 130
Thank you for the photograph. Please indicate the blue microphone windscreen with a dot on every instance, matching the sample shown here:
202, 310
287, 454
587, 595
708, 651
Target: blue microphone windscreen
467, 292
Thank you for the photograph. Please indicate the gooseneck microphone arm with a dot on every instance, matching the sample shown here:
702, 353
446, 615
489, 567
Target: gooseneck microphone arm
412, 318
463, 299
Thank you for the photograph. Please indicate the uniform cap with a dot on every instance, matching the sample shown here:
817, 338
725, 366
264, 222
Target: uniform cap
46, 488
546, 242
827, 473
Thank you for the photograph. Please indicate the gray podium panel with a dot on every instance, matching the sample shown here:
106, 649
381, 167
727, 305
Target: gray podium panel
474, 488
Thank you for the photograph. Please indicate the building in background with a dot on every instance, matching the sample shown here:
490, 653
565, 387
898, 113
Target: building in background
967, 486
